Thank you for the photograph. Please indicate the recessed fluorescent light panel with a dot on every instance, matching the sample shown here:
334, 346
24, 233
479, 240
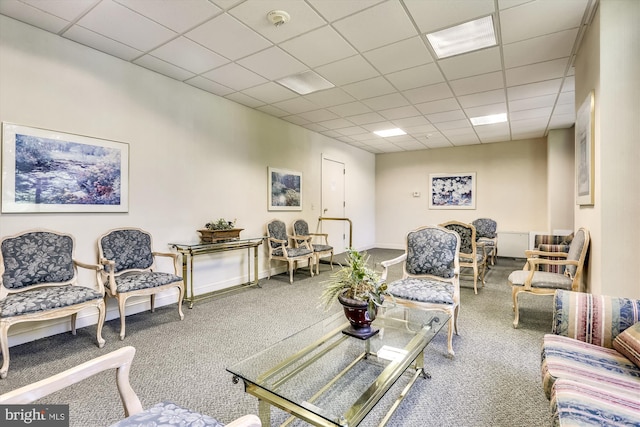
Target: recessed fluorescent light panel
390, 132
489, 120
305, 82
463, 38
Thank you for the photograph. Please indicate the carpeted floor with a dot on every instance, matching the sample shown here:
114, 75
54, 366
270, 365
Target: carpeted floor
494, 379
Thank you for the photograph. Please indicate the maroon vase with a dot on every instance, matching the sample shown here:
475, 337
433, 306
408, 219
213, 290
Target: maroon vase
358, 316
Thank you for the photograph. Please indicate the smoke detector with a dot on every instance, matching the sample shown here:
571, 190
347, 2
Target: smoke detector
278, 17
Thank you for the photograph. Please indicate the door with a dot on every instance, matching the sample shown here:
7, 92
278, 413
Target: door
333, 204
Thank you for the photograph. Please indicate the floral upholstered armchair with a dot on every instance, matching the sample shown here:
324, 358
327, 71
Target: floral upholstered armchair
280, 248
319, 242
487, 236
162, 414
471, 254
39, 281
431, 274
130, 269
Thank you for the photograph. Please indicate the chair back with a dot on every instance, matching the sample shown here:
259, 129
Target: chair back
300, 228
278, 230
485, 227
467, 233
37, 257
129, 248
432, 250
577, 252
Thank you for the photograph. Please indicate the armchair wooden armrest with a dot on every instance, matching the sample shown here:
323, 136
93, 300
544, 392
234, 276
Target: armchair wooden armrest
173, 256
389, 263
535, 253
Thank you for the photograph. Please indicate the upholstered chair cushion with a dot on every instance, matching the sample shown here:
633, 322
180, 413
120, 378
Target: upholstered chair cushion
541, 279
135, 280
47, 298
423, 290
431, 252
130, 249
168, 414
38, 257
278, 230
628, 343
292, 252
574, 252
485, 227
465, 233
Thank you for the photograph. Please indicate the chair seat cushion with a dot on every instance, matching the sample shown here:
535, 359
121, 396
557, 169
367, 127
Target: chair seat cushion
322, 248
168, 414
133, 281
568, 358
541, 279
467, 259
43, 299
578, 404
293, 252
486, 241
422, 290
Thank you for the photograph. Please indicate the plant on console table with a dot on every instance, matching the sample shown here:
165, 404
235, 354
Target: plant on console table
360, 291
219, 230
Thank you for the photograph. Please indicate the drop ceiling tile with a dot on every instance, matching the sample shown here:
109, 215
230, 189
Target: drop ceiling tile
400, 112
296, 105
176, 15
398, 56
562, 121
162, 67
392, 100
347, 71
408, 122
500, 130
319, 115
412, 78
132, 30
419, 130
366, 137
428, 93
486, 110
273, 63
329, 97
210, 86
534, 113
369, 88
564, 109
352, 130
228, 37
68, 10
528, 125
101, 43
471, 64
569, 84
296, 120
411, 145
482, 98
270, 93
436, 141
454, 124
272, 111
235, 77
243, 99
480, 83
537, 72
319, 47
439, 106
226, 4
363, 119
548, 87
536, 18
446, 116
363, 29
464, 136
350, 109
317, 128
253, 13
506, 4
432, 15
529, 103
189, 55
531, 134
334, 10
539, 49
567, 98
32, 16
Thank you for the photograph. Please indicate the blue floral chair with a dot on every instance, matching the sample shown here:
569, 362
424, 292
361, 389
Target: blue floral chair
534, 281
301, 229
471, 256
130, 269
280, 248
431, 274
487, 236
39, 281
163, 414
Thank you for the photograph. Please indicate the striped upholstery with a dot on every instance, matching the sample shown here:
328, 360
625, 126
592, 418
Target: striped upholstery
628, 344
551, 243
578, 404
568, 358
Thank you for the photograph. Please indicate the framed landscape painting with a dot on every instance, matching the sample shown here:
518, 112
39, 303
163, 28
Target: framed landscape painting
50, 171
584, 152
285, 190
452, 190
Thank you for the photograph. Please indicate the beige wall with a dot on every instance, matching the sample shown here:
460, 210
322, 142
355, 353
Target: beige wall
511, 187
561, 178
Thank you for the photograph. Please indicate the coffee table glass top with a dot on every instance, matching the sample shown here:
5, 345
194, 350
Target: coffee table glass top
329, 378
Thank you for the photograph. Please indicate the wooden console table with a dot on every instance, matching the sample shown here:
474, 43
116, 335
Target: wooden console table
191, 250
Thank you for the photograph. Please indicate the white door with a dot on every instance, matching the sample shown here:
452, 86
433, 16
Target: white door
333, 204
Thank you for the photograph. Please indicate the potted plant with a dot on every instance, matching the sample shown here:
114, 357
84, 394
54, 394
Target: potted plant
218, 230
360, 291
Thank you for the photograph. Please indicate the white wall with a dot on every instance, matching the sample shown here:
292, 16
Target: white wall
511, 187
193, 156
561, 178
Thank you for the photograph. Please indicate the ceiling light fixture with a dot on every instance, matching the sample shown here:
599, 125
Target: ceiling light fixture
305, 82
390, 132
278, 17
463, 38
489, 120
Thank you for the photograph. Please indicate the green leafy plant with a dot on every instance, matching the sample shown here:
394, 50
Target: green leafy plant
356, 280
221, 224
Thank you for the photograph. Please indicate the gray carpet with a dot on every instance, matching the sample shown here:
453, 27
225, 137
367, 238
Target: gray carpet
494, 379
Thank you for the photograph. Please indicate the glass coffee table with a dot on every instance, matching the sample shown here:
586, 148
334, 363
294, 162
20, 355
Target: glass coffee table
327, 378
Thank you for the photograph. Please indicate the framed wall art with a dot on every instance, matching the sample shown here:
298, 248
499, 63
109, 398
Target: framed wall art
50, 171
452, 190
584, 155
285, 190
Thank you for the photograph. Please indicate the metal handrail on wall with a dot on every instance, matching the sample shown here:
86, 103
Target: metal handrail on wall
341, 219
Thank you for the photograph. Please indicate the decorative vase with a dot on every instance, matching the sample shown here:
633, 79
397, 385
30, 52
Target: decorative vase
213, 236
357, 313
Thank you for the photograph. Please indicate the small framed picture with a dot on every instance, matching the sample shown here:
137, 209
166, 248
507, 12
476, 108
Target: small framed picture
452, 190
285, 190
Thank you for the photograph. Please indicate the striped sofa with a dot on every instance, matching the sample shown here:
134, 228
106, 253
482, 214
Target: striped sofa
588, 381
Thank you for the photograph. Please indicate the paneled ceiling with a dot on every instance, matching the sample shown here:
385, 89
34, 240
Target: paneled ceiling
375, 52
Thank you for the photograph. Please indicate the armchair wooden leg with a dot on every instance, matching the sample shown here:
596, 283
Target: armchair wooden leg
475, 279
515, 291
291, 268
121, 308
450, 337
74, 316
102, 313
153, 303
4, 348
180, 296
